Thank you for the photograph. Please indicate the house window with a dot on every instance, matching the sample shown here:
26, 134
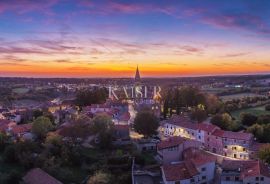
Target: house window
199, 137
228, 178
262, 178
203, 177
199, 131
236, 178
177, 182
257, 178
203, 169
192, 180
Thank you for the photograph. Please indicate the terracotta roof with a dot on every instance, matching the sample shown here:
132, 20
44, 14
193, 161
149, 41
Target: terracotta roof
4, 124
233, 135
21, 128
170, 142
238, 135
182, 121
218, 133
121, 127
207, 127
38, 176
198, 157
179, 171
247, 168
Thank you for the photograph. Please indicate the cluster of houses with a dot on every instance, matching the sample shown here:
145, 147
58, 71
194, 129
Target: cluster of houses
117, 110
239, 145
16, 131
203, 153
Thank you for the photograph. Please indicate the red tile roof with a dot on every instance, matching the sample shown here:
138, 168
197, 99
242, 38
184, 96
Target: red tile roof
121, 127
38, 176
170, 142
198, 157
233, 135
207, 127
18, 129
179, 171
4, 124
247, 168
218, 133
182, 121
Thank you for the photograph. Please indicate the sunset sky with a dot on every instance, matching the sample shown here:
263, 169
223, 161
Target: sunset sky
85, 38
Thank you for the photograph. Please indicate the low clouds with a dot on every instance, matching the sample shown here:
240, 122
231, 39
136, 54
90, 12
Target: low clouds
231, 55
77, 34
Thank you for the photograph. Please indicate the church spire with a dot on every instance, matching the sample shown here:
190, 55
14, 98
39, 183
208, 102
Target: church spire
137, 75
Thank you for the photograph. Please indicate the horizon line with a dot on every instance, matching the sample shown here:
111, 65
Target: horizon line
149, 77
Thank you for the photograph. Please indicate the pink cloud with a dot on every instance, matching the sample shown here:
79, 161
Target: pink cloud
26, 6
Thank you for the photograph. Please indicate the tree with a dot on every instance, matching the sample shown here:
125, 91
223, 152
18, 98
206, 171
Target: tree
80, 128
88, 97
224, 121
248, 119
178, 98
3, 141
213, 104
198, 115
10, 154
266, 133
264, 154
53, 139
267, 107
146, 123
263, 119
37, 113
103, 127
100, 177
257, 130
41, 126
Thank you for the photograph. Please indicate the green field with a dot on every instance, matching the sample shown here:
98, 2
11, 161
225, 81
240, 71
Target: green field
260, 110
239, 96
20, 90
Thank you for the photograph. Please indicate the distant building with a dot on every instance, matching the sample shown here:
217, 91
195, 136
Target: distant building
137, 76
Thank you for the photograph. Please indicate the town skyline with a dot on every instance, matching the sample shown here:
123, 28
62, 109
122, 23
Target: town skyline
110, 38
